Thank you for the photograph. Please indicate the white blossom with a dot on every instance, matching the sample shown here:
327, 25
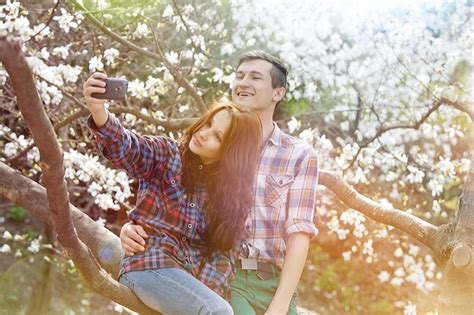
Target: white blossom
398, 252
293, 125
168, 12
409, 309
384, 276
346, 255
34, 246
396, 282
7, 235
415, 176
62, 51
110, 55
66, 21
413, 250
5, 249
172, 57
95, 64
142, 30
101, 222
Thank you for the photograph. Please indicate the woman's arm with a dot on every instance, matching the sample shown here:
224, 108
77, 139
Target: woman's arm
140, 156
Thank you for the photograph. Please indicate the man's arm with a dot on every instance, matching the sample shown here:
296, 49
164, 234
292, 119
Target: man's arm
132, 238
295, 258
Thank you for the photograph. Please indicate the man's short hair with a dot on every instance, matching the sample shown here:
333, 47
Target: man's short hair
279, 72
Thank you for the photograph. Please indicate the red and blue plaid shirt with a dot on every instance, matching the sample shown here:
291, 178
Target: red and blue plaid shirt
285, 197
164, 206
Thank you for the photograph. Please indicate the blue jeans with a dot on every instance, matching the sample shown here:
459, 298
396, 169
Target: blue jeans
175, 291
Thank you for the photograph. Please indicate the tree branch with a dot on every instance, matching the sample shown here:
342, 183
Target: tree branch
467, 107
382, 130
177, 75
47, 22
51, 163
179, 78
171, 125
414, 226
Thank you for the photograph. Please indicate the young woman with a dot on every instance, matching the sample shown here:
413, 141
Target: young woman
193, 199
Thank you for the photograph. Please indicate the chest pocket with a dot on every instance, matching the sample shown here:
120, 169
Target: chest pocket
276, 189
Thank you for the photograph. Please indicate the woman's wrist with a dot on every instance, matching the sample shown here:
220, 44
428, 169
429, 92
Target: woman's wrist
100, 116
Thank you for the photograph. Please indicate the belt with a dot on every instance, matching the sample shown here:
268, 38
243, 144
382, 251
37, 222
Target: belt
264, 270
253, 264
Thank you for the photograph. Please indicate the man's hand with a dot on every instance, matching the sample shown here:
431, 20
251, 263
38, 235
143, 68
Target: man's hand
95, 84
295, 257
132, 238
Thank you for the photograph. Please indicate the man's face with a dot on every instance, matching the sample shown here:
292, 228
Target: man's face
253, 86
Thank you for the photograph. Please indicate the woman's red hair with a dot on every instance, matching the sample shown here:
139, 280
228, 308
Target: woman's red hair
230, 180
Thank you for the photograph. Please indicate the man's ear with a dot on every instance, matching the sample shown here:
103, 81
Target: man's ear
278, 94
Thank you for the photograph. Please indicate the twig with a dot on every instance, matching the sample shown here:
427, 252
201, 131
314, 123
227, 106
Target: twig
177, 75
47, 22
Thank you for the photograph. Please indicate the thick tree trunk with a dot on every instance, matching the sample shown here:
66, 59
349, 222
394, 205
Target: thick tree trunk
103, 244
51, 163
457, 296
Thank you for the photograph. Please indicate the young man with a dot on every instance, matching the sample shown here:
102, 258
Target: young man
280, 224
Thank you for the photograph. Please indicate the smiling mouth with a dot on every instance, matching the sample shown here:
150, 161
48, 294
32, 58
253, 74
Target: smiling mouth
244, 94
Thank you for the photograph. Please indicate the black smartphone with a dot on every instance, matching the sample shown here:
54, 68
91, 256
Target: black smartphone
115, 89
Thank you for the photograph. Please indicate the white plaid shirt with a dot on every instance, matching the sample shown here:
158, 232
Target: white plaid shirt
285, 196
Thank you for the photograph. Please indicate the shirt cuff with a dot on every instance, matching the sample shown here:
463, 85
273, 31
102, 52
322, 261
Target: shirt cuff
109, 131
301, 226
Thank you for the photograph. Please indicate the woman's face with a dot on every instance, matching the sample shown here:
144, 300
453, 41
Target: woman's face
206, 142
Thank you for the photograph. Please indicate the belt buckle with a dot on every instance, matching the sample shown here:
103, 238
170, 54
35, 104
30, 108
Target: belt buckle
248, 264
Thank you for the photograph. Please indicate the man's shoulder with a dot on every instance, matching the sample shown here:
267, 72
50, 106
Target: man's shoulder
296, 145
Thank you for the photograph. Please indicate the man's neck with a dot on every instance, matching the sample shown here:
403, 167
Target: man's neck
267, 125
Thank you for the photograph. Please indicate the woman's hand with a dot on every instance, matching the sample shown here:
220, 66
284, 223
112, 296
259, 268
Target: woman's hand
96, 84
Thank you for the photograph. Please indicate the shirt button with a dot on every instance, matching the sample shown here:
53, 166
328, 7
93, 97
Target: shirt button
192, 205
190, 225
184, 238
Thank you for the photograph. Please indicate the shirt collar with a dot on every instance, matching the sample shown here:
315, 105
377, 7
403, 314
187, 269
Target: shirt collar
277, 137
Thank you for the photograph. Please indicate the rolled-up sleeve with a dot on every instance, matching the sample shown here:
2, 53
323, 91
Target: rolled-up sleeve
140, 156
302, 197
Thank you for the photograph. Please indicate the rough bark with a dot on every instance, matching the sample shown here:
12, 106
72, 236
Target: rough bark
457, 295
414, 226
103, 244
51, 157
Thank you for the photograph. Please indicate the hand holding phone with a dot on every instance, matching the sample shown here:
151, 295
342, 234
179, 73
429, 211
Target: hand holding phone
115, 89
96, 89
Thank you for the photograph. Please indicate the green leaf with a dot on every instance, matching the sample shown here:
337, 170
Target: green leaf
16, 213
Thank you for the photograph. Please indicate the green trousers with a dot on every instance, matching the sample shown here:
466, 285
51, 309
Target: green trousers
251, 295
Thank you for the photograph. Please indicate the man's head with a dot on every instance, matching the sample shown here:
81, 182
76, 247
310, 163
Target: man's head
260, 81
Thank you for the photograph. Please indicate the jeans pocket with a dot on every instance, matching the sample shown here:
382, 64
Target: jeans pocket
126, 281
